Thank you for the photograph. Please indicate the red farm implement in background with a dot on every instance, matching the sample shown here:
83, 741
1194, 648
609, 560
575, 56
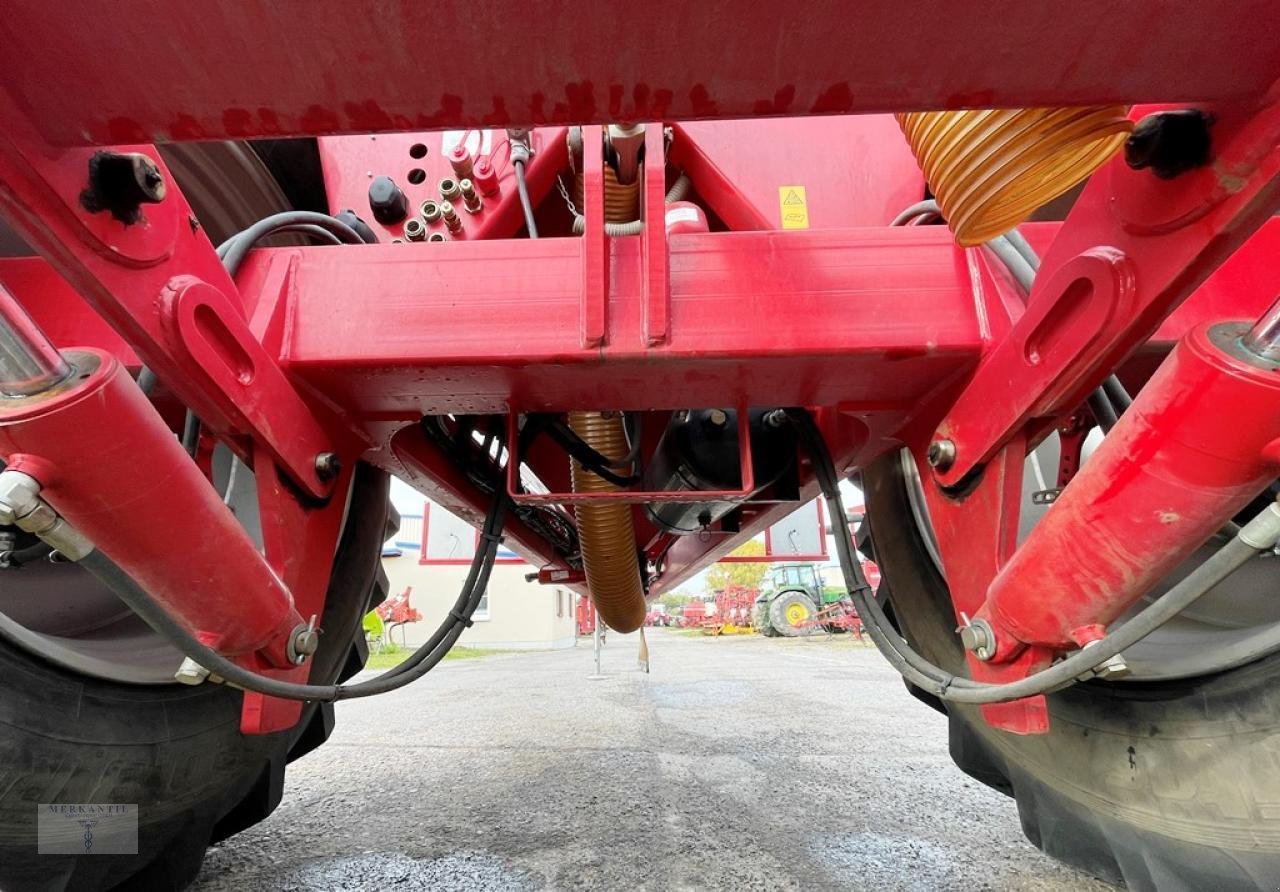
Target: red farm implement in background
733, 611
624, 306
398, 612
693, 615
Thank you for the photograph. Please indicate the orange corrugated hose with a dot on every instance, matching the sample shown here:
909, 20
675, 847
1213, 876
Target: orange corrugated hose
621, 203
605, 530
989, 170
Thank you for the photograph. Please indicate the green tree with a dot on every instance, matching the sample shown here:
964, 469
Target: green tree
672, 600
748, 574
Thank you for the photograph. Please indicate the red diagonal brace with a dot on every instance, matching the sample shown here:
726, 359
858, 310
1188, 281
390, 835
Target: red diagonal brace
1160, 239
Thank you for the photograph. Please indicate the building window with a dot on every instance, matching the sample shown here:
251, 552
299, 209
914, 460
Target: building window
559, 602
482, 609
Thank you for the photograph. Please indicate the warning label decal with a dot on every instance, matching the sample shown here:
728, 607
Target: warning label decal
793, 207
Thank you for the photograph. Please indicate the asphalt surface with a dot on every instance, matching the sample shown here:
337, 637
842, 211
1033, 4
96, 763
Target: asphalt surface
738, 763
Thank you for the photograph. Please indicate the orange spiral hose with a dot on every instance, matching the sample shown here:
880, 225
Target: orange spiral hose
605, 531
990, 169
621, 203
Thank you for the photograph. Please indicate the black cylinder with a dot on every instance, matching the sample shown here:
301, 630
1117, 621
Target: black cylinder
699, 450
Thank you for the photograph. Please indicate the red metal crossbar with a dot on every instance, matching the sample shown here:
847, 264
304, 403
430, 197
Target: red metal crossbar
221, 70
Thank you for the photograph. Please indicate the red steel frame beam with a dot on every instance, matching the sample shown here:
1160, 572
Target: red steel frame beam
800, 318
224, 70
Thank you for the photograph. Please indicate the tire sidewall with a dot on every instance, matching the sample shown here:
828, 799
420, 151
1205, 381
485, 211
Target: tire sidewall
175, 751
1167, 784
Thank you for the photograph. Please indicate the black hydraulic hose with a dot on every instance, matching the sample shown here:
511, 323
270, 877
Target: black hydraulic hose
1103, 411
312, 230
232, 253
20, 557
146, 380
234, 250
523, 188
190, 433
589, 458
1259, 534
1117, 394
419, 663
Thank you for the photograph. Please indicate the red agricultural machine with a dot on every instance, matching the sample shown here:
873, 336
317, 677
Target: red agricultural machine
733, 612
397, 612
623, 290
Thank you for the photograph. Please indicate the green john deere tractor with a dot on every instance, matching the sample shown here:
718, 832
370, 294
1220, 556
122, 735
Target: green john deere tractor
791, 596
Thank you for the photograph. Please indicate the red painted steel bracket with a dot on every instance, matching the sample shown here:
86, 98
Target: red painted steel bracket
1164, 237
205, 332
595, 244
299, 542
1049, 351
976, 536
124, 272
655, 279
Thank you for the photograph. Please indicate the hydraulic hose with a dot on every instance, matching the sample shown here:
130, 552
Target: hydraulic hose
419, 663
20, 557
1260, 534
522, 187
234, 250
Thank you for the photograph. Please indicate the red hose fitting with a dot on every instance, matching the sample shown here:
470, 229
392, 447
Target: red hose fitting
1198, 444
460, 161
110, 466
485, 177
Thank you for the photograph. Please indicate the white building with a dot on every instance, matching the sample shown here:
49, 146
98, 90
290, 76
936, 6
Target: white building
431, 555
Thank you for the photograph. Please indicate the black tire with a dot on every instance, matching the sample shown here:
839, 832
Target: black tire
779, 608
175, 751
760, 620
1167, 785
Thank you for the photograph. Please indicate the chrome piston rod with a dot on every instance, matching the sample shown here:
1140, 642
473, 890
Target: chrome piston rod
29, 363
1264, 338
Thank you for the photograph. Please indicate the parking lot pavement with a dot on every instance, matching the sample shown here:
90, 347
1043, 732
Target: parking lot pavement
738, 763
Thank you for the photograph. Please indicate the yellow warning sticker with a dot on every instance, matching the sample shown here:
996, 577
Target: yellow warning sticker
793, 207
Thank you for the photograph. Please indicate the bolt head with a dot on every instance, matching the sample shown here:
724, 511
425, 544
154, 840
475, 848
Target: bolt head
121, 182
977, 638
328, 465
306, 642
941, 454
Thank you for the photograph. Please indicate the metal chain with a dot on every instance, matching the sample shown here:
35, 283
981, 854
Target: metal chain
564, 193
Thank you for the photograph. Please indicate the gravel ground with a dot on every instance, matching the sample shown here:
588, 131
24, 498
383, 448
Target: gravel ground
742, 763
